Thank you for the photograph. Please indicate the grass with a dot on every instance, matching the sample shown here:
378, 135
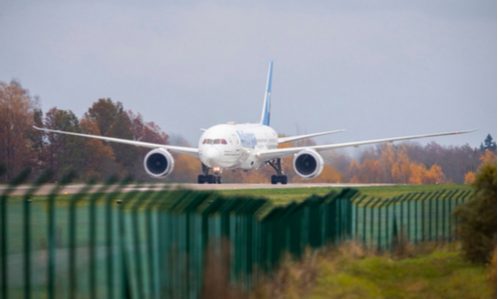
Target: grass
351, 273
283, 196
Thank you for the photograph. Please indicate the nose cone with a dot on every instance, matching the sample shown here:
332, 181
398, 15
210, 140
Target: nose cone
210, 156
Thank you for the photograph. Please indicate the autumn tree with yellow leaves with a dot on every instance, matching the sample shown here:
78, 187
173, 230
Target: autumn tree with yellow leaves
391, 164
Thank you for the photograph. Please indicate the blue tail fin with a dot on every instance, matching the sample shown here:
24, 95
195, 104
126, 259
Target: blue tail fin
265, 114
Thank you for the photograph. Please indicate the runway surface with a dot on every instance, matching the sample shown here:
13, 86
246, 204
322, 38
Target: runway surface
76, 188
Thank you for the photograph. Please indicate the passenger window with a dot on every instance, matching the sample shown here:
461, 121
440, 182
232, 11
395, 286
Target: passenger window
223, 141
217, 141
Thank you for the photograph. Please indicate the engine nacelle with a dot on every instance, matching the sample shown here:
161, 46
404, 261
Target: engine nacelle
308, 163
159, 163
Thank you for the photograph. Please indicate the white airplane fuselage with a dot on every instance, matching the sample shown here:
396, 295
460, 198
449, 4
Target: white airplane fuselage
230, 146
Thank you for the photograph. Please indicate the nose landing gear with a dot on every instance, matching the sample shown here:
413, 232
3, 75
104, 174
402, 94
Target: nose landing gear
207, 178
280, 177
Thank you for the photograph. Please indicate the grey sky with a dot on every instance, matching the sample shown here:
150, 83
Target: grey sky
378, 70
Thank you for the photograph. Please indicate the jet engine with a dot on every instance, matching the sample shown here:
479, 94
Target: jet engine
308, 163
159, 163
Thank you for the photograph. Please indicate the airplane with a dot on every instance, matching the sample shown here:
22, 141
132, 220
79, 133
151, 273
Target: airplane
245, 146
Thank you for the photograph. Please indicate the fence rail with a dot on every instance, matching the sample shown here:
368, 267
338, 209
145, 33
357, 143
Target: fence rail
156, 244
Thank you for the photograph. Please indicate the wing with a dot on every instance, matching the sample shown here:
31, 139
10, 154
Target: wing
266, 155
300, 137
177, 149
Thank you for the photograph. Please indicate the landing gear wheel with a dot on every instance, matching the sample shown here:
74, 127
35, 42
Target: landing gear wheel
275, 179
280, 177
209, 179
205, 177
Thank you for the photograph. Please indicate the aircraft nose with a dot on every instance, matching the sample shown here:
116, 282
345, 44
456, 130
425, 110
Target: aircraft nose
210, 155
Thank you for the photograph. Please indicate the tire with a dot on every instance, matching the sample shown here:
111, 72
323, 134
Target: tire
283, 179
211, 179
201, 179
218, 180
274, 179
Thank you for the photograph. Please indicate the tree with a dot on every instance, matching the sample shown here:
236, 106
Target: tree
100, 162
38, 137
64, 153
488, 157
477, 218
112, 120
16, 120
329, 175
488, 144
455, 161
434, 175
470, 178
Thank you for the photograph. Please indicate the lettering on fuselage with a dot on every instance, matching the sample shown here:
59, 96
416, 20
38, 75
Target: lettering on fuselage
247, 140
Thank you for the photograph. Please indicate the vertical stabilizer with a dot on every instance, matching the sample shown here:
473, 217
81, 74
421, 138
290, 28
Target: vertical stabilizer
265, 114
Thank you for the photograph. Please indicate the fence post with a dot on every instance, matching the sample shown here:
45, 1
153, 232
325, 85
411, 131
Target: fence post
72, 215
137, 241
21, 178
126, 291
108, 201
365, 206
27, 227
415, 221
92, 233
51, 233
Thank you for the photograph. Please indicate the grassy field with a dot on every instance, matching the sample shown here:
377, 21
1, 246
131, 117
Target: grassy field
351, 273
283, 196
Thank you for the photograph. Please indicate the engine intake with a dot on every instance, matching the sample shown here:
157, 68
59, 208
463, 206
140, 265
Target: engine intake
159, 163
308, 164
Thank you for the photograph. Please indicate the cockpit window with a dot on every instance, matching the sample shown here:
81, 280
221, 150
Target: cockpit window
214, 141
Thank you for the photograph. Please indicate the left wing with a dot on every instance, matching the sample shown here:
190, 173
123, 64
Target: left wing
300, 137
266, 155
173, 148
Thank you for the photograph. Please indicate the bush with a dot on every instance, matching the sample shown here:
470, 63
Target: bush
492, 271
477, 218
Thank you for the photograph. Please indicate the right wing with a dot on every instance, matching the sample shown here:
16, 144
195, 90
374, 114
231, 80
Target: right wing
299, 137
266, 155
177, 149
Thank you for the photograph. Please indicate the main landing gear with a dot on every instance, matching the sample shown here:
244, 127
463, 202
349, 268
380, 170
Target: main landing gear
280, 177
207, 178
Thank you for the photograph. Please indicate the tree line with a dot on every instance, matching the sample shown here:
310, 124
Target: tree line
23, 147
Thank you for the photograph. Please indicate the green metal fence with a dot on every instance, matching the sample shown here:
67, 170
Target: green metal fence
155, 244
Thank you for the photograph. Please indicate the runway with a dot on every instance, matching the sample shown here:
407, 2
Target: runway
76, 188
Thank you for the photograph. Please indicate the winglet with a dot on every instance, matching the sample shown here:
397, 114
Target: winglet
265, 114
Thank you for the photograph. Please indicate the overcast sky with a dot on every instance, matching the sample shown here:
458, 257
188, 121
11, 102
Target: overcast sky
378, 70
